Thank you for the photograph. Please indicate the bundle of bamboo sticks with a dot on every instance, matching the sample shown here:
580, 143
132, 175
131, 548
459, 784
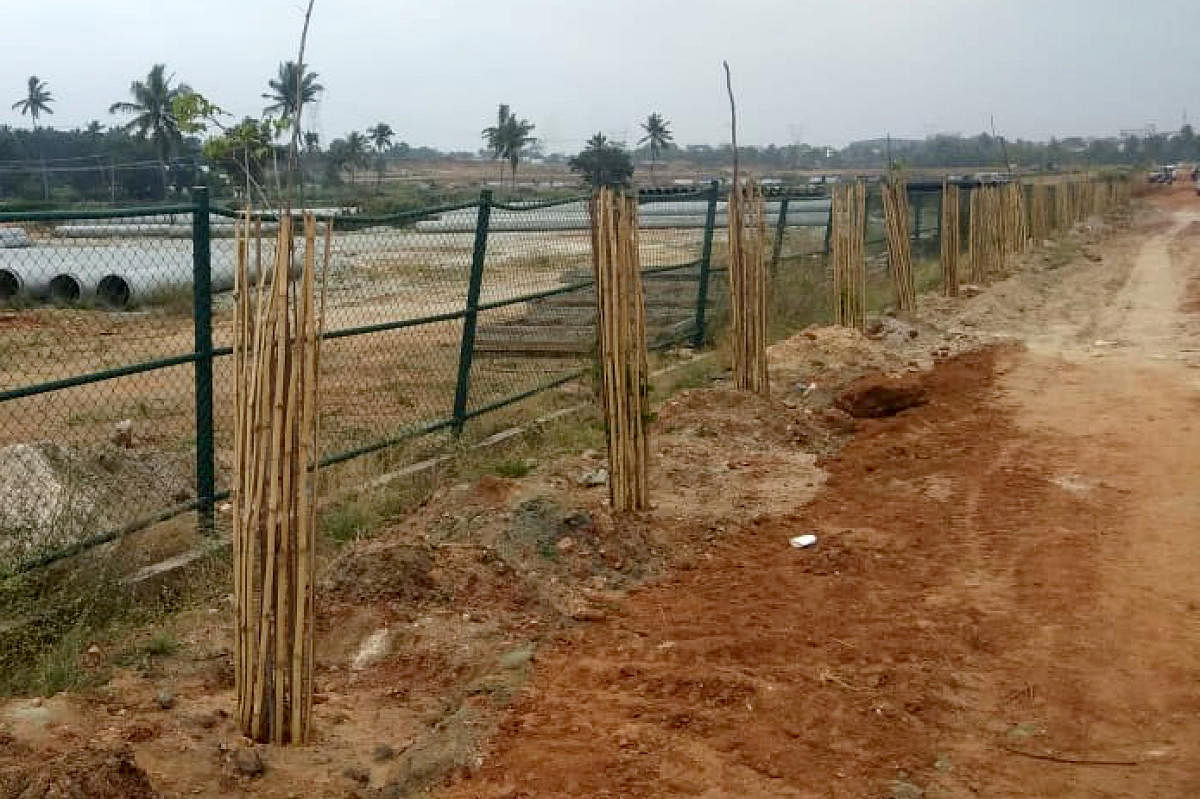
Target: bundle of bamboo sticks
847, 239
895, 211
1014, 227
950, 238
620, 319
1040, 212
985, 233
748, 288
1066, 208
277, 330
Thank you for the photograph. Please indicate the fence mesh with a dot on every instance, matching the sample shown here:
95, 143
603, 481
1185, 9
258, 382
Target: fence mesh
105, 306
82, 296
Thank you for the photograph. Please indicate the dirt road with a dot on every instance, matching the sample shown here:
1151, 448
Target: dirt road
1004, 601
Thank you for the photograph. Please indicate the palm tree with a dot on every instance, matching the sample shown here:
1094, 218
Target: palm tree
658, 134
508, 137
36, 102
154, 116
381, 138
290, 91
355, 152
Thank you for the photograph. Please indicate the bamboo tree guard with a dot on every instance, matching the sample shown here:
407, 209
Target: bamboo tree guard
895, 211
276, 358
748, 288
849, 221
985, 233
1040, 212
950, 239
620, 320
1015, 230
1066, 213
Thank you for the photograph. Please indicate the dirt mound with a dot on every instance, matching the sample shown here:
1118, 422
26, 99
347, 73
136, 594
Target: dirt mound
876, 397
385, 569
92, 772
729, 415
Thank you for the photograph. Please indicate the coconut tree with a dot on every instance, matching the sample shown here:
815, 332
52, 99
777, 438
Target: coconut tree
508, 137
153, 114
355, 153
659, 137
36, 102
381, 139
290, 90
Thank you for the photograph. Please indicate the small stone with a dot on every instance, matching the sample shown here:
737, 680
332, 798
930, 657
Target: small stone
596, 478
906, 790
382, 753
123, 433
565, 544
35, 702
248, 763
359, 774
165, 699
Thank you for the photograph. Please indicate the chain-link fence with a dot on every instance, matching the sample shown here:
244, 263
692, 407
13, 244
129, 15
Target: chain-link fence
117, 399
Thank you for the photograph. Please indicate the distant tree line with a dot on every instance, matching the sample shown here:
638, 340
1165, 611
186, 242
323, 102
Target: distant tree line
168, 137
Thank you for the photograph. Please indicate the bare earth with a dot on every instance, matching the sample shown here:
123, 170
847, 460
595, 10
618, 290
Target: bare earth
1003, 602
1003, 599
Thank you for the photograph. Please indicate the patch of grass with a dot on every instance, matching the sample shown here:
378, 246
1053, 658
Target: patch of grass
348, 521
173, 301
513, 467
162, 644
62, 669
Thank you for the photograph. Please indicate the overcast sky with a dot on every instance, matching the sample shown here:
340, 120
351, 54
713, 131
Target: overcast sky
819, 71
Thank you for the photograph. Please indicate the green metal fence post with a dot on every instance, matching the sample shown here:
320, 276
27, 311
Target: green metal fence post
780, 226
710, 222
202, 323
466, 352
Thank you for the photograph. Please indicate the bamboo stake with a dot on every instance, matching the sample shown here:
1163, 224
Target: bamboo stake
748, 288
276, 348
895, 205
621, 334
950, 234
849, 266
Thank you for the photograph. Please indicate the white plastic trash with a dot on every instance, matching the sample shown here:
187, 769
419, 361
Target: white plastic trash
803, 541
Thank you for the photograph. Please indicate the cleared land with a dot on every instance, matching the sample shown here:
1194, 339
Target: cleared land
1000, 602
